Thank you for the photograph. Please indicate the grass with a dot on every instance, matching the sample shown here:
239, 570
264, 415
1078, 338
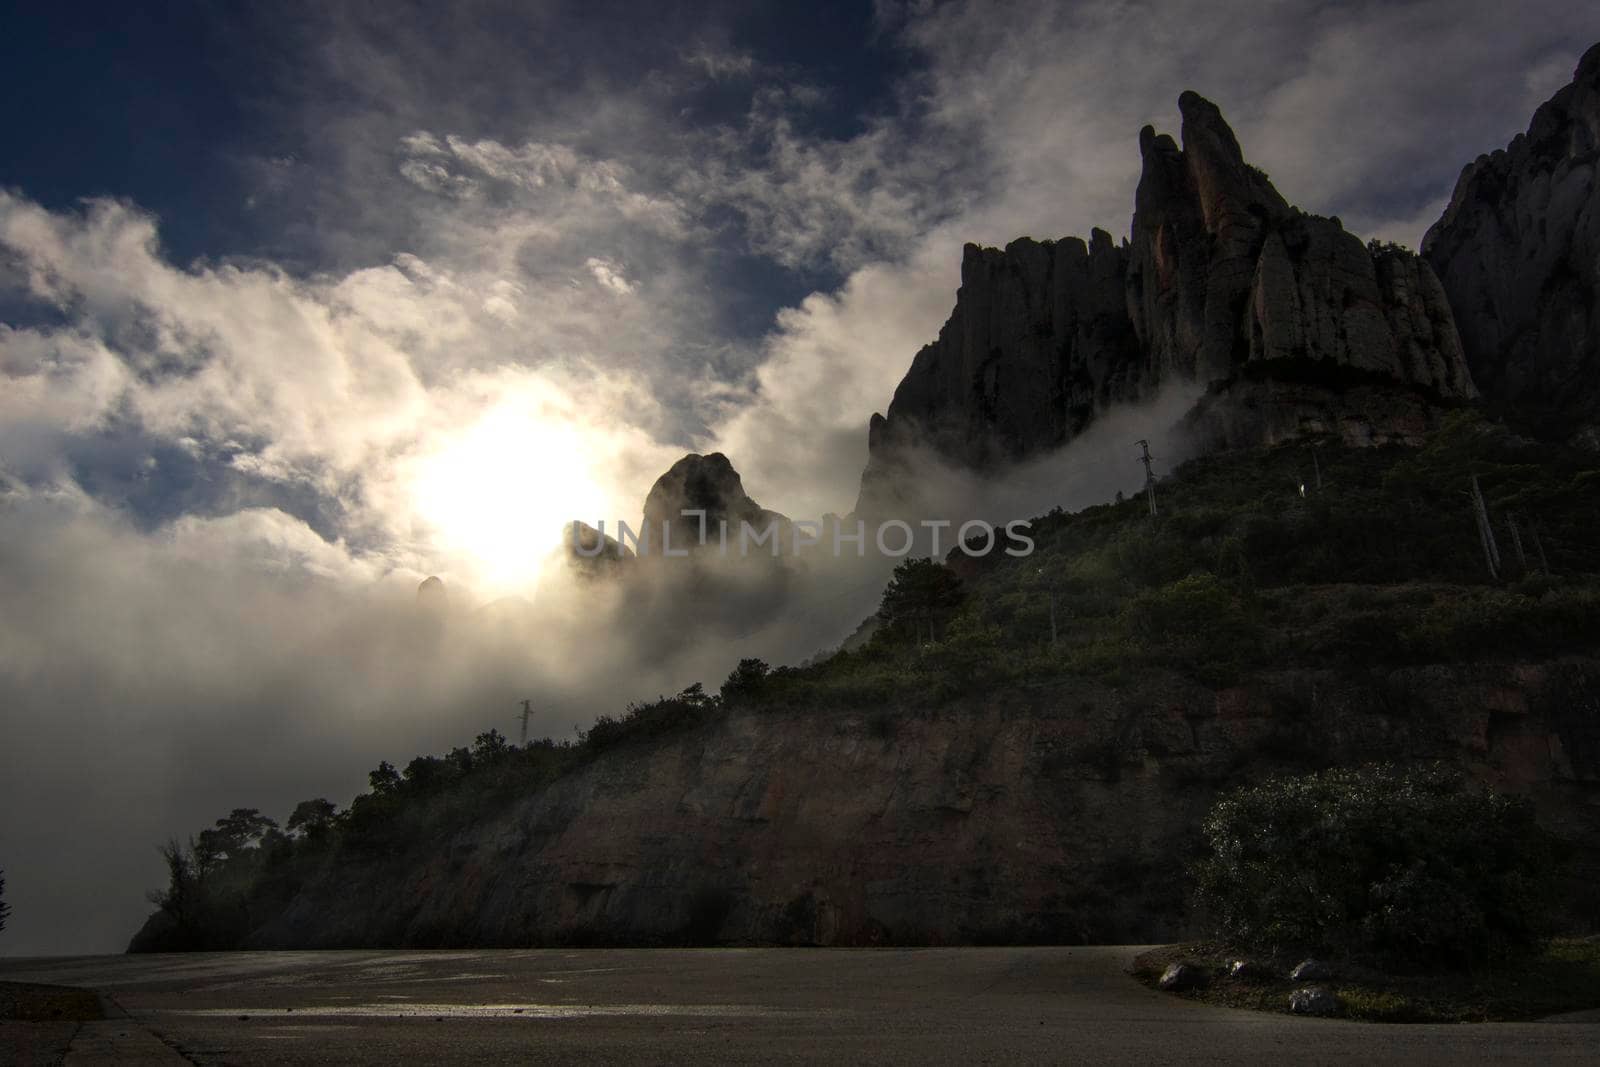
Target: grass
1563, 976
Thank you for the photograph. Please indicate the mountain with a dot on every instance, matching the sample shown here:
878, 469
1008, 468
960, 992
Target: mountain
1284, 321
1518, 251
1038, 773
709, 484
1039, 770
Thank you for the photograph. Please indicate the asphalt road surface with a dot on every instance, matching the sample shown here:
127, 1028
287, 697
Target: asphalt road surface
767, 1006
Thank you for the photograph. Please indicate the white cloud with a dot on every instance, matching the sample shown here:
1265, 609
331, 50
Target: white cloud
609, 275
1368, 110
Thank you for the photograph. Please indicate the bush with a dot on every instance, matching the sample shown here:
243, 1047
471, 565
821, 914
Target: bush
1399, 867
649, 719
745, 682
1196, 623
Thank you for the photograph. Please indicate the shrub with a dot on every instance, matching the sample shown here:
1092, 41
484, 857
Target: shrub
745, 682
1400, 867
649, 719
1196, 623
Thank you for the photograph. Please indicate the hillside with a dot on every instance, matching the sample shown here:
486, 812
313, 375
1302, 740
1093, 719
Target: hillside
1291, 607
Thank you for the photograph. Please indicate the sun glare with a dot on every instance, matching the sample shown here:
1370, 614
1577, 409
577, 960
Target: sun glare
501, 492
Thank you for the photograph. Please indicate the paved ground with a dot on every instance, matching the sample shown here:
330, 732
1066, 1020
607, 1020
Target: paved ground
970, 1006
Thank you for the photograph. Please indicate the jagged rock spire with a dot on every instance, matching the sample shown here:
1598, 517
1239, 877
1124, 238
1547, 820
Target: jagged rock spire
1220, 273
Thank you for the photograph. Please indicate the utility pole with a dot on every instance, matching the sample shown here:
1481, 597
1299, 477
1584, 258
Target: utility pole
1538, 546
527, 710
1316, 466
1491, 551
1050, 595
1516, 541
1149, 477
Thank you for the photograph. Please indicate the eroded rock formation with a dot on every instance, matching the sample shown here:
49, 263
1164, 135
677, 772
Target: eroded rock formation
1518, 251
1227, 279
1223, 286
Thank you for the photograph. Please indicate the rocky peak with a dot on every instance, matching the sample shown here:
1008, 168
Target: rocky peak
591, 553
1222, 284
1518, 252
1229, 190
1225, 274
1038, 343
701, 483
432, 595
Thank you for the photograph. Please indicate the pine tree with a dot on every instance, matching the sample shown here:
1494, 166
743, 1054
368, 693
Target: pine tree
922, 595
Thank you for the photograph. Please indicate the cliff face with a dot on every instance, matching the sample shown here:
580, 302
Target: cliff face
1518, 251
1060, 813
1038, 342
1223, 286
1227, 280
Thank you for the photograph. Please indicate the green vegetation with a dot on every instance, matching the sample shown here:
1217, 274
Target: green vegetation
921, 597
1302, 556
1306, 556
1398, 867
1425, 896
5, 909
1559, 976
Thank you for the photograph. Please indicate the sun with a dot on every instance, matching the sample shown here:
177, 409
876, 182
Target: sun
501, 492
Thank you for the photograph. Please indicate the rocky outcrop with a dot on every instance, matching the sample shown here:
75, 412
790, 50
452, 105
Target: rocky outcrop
591, 553
1045, 813
1227, 280
1222, 286
432, 595
1518, 251
706, 484
1038, 342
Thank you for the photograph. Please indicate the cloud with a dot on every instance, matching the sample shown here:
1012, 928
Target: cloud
609, 275
1368, 110
720, 64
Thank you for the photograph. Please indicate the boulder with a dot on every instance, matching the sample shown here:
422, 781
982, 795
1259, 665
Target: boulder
1248, 971
1313, 1000
1181, 976
1311, 971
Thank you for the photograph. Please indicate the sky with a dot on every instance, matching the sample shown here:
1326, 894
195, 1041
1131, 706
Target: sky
301, 303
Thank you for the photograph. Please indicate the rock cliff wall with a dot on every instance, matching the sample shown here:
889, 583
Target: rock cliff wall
1059, 813
1222, 286
1518, 251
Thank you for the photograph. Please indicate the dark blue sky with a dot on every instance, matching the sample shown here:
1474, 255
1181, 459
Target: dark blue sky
165, 104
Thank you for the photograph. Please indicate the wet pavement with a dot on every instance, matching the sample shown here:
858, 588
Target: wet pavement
626, 1006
